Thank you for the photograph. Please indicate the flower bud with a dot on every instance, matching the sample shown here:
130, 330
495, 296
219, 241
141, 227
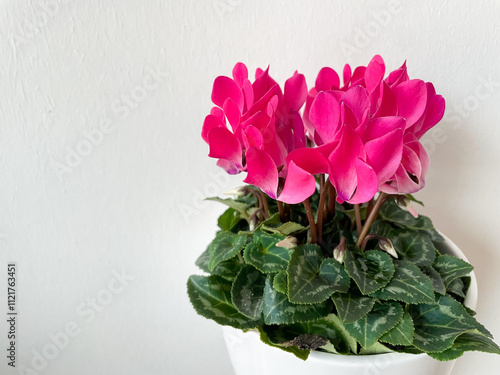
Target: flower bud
288, 243
237, 192
386, 245
404, 203
339, 251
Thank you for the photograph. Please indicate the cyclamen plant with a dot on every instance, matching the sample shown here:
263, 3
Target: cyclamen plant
322, 249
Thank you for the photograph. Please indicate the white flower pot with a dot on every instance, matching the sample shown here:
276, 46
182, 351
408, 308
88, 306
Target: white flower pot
250, 356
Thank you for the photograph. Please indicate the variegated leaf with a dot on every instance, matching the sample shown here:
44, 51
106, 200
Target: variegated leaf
408, 285
228, 269
351, 307
379, 321
280, 282
279, 334
437, 281
415, 248
264, 255
450, 268
370, 270
248, 290
437, 325
299, 353
211, 298
310, 281
402, 334
457, 287
468, 341
279, 310
225, 246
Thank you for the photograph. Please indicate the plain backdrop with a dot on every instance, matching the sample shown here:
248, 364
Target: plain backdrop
103, 170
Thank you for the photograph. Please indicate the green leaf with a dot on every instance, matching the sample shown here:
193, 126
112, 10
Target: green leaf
376, 348
383, 229
279, 310
457, 287
468, 341
379, 321
437, 281
280, 282
370, 270
310, 281
247, 291
228, 269
238, 206
450, 268
351, 307
264, 255
391, 212
438, 325
225, 246
351, 341
211, 298
326, 328
229, 219
415, 248
402, 334
408, 285
299, 353
413, 199
289, 228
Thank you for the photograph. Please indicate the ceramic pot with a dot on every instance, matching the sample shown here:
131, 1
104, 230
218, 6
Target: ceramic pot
250, 356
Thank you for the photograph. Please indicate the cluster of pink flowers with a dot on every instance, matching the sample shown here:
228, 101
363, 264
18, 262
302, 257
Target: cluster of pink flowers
364, 134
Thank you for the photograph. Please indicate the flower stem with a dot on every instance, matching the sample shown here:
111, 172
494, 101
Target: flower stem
369, 220
281, 210
321, 207
265, 206
331, 198
310, 218
358, 218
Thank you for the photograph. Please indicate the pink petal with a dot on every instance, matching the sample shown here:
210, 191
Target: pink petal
346, 75
356, 98
219, 113
263, 83
343, 163
374, 73
388, 105
324, 115
228, 166
299, 185
225, 87
252, 137
384, 154
378, 127
240, 73
309, 159
434, 112
327, 79
262, 171
367, 183
397, 76
232, 113
210, 123
358, 77
224, 145
248, 92
295, 92
411, 97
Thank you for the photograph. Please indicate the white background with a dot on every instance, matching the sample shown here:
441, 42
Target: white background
73, 216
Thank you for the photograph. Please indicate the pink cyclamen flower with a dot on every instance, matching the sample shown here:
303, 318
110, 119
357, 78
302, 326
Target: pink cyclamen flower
265, 126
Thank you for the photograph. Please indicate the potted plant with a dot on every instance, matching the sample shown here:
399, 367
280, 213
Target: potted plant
322, 253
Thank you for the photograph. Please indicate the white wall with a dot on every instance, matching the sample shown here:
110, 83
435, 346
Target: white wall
71, 67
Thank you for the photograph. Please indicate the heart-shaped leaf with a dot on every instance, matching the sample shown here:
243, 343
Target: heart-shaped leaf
248, 290
450, 268
402, 334
370, 270
351, 306
263, 254
225, 246
310, 281
379, 321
